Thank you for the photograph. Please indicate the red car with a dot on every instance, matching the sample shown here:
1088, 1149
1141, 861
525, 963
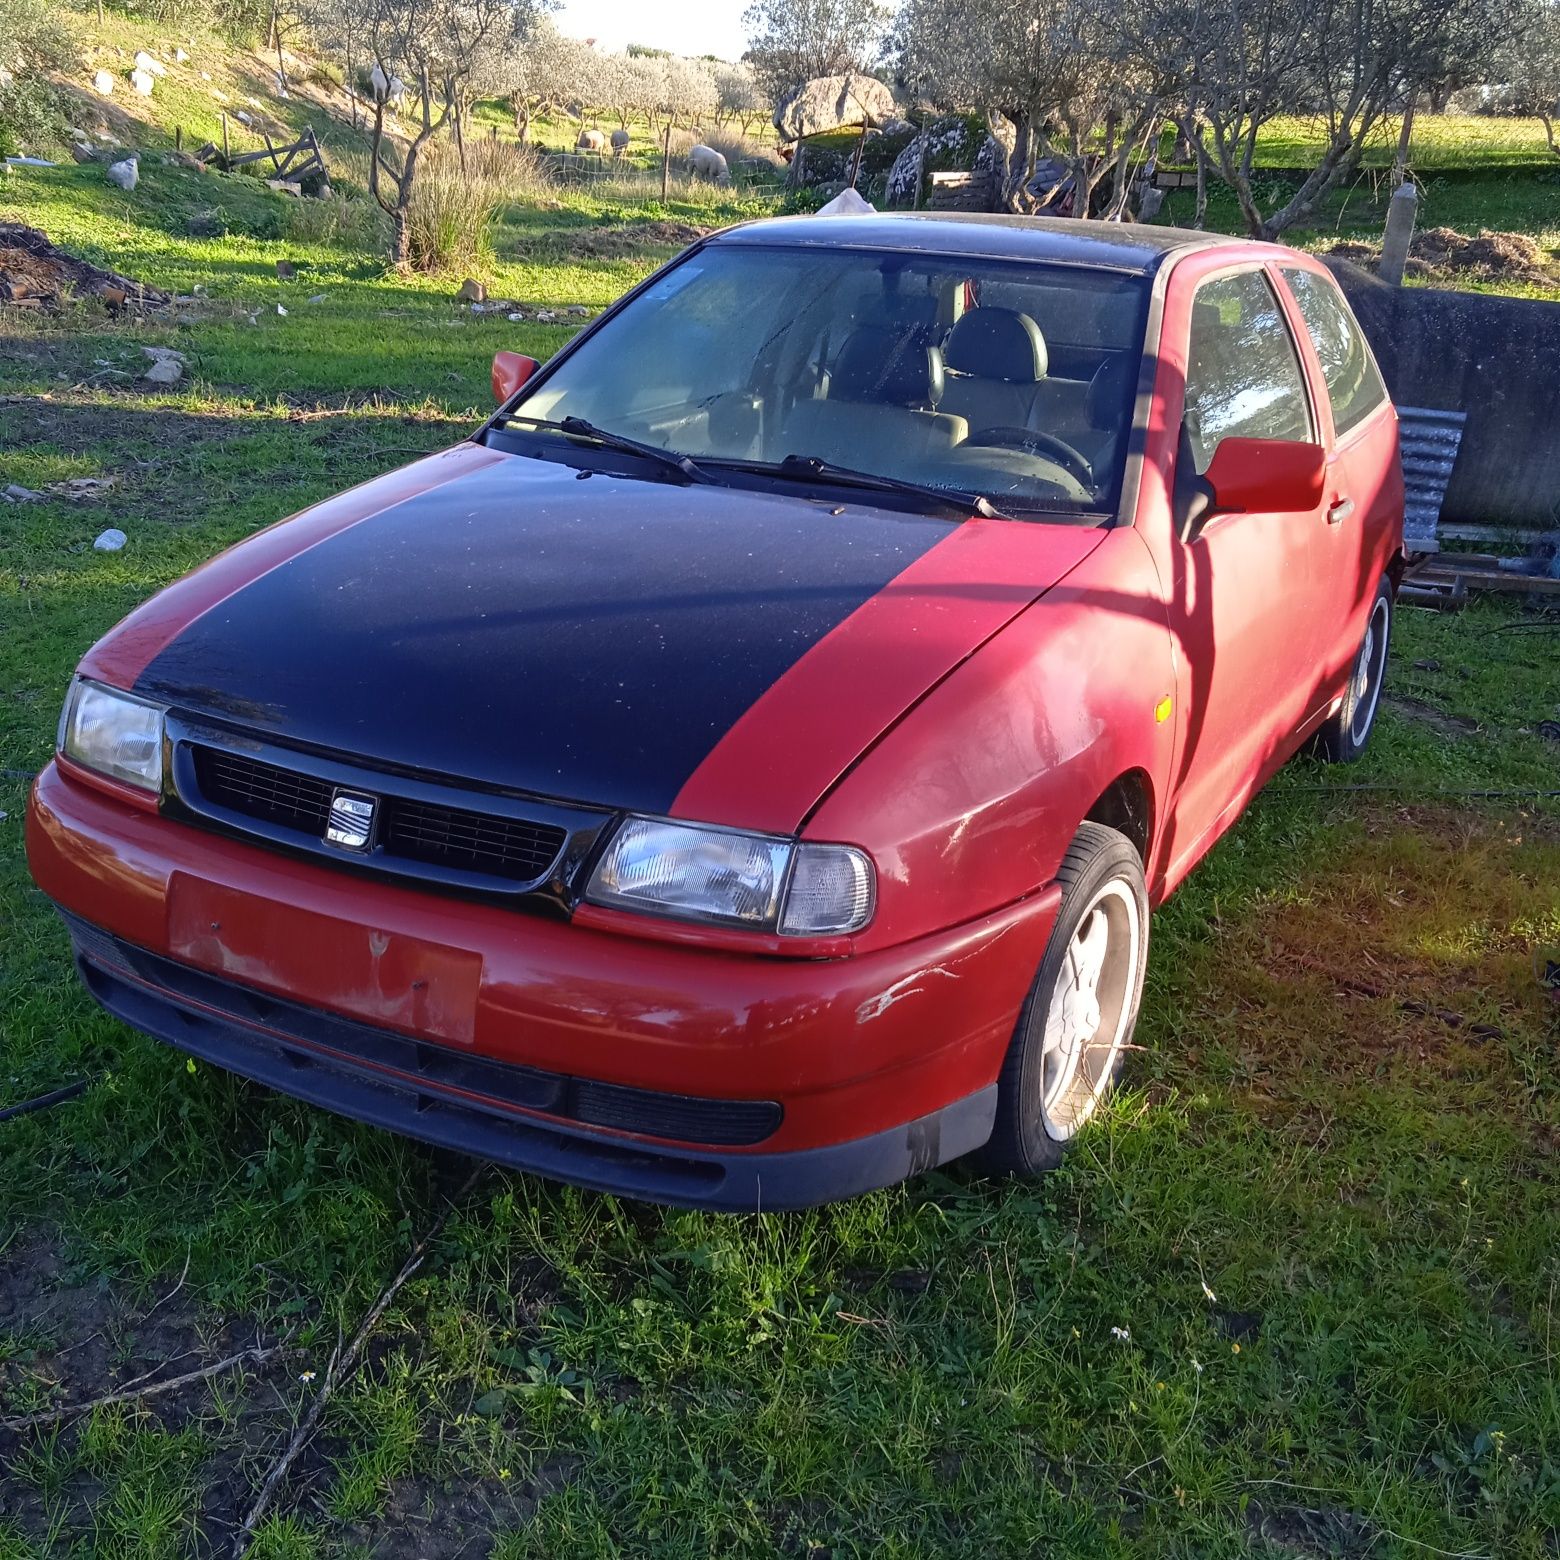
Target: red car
739, 775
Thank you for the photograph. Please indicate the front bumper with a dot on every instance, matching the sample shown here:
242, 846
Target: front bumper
435, 1016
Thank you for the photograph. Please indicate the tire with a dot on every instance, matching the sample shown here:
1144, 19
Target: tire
1347, 734
1046, 1092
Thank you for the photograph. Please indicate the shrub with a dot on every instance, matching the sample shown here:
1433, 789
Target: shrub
453, 206
33, 38
348, 220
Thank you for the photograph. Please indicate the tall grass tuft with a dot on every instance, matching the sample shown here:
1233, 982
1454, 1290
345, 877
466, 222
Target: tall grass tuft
453, 206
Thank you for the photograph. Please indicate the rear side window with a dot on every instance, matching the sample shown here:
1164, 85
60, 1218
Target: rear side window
1243, 376
1353, 381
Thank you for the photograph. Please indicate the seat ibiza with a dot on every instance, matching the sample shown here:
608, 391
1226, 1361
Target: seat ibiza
740, 774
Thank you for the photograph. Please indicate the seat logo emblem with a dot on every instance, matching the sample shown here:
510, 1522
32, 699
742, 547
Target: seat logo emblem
351, 822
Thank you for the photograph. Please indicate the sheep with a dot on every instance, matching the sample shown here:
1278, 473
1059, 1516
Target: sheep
386, 89
619, 142
591, 141
706, 161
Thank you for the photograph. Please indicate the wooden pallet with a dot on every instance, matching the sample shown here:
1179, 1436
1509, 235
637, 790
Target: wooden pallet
295, 163
1449, 579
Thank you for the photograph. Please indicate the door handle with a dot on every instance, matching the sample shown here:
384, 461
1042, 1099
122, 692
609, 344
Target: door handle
1339, 511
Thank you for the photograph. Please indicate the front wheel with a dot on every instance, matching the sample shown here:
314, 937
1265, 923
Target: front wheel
1346, 735
1081, 1010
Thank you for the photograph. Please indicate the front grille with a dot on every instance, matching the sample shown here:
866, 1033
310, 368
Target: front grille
263, 791
474, 842
457, 839
329, 1039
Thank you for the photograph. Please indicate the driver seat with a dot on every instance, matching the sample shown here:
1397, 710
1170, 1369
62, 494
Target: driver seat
994, 363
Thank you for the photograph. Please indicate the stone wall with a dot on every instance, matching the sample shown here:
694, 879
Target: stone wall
1496, 359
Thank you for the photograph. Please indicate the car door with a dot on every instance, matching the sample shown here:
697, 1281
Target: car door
1248, 592
1364, 498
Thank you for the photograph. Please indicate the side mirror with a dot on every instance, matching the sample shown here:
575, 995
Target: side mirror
1266, 475
510, 371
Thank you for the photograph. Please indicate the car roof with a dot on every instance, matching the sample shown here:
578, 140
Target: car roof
1125, 246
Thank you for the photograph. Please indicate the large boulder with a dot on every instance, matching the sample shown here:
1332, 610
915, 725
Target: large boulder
833, 103
958, 143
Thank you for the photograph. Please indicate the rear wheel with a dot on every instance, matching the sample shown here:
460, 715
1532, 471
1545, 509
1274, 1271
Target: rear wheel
1347, 734
1081, 1010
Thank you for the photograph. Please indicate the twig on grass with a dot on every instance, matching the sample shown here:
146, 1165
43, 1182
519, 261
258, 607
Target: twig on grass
342, 1363
135, 1392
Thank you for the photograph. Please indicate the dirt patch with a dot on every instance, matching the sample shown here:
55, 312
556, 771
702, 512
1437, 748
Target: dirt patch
1306, 1530
34, 274
1486, 257
1428, 715
629, 238
426, 1519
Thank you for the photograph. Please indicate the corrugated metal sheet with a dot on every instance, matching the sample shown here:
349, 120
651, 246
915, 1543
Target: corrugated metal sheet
1430, 441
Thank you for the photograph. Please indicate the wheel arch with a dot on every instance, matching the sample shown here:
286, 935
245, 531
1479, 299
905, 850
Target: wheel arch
1127, 805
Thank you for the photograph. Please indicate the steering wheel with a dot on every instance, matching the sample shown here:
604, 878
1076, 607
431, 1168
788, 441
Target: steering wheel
1047, 444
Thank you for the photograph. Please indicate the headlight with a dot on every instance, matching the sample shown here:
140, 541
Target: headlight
760, 881
113, 733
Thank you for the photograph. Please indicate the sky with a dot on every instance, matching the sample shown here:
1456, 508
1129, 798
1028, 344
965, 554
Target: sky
683, 26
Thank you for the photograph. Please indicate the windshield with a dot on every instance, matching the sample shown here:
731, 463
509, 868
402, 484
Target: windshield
1011, 380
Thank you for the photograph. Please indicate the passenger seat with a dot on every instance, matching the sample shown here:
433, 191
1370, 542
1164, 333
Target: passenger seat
878, 412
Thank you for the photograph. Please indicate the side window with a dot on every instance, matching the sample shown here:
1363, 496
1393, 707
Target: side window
1243, 376
1353, 381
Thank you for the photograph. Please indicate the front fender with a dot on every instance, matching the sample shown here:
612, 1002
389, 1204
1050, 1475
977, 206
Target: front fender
970, 802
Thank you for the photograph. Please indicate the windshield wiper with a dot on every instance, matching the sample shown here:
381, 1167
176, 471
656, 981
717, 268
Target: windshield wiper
813, 468
578, 428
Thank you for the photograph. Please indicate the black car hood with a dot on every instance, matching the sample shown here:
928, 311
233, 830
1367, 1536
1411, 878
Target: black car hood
525, 627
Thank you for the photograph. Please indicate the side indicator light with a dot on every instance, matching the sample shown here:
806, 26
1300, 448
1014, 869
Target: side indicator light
1162, 709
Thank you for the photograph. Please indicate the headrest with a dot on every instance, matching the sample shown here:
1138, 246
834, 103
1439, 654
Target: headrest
876, 364
997, 344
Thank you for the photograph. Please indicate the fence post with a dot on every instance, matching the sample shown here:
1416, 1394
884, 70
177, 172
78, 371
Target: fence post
227, 155
666, 161
1401, 210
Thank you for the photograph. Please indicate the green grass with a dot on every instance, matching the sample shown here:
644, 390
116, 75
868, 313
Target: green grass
1325, 1208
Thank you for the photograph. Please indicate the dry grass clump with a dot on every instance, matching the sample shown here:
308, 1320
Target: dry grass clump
455, 199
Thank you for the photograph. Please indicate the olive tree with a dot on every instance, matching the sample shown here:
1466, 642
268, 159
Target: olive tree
1058, 71
444, 50
792, 41
1527, 68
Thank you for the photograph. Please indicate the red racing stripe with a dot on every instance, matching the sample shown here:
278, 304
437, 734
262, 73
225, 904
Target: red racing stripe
124, 653
795, 741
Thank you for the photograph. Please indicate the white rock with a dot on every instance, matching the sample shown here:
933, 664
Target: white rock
280, 310
76, 133
167, 366
149, 63
514, 316
111, 540
29, 162
17, 494
243, 118
318, 298
143, 81
126, 174
104, 82
179, 56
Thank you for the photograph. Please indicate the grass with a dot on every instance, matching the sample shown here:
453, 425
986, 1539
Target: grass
1323, 1212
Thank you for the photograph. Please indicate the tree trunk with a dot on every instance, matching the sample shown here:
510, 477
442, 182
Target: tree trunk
401, 238
1016, 174
1405, 139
